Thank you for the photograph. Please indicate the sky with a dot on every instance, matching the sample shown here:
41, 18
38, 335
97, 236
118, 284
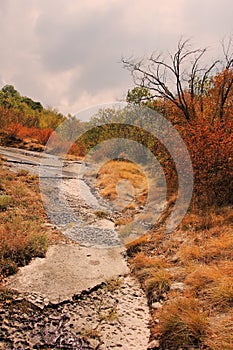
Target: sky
67, 53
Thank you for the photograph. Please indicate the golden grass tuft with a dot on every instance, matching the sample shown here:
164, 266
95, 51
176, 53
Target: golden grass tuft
182, 324
157, 284
220, 293
208, 245
114, 171
153, 274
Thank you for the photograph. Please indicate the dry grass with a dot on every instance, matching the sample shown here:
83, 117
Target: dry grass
220, 336
153, 274
202, 261
197, 258
213, 284
113, 172
182, 325
207, 245
137, 245
23, 234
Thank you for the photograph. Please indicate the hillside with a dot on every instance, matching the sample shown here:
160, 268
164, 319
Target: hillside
186, 274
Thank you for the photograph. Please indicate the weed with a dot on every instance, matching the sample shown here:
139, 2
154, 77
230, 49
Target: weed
157, 284
89, 332
5, 202
101, 214
114, 284
110, 315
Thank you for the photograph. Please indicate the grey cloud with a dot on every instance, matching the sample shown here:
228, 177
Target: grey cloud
44, 41
65, 44
211, 19
95, 45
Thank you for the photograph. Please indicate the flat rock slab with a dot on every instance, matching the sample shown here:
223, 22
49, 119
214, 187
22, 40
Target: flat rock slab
67, 270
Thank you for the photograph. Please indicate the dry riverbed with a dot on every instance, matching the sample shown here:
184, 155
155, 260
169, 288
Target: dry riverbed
81, 296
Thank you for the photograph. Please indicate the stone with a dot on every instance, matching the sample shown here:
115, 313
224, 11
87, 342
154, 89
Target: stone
178, 286
154, 344
156, 305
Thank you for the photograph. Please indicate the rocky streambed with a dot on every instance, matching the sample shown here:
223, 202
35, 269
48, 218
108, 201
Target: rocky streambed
112, 315
81, 296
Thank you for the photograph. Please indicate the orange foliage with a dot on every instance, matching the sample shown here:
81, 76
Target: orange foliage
209, 139
21, 131
211, 150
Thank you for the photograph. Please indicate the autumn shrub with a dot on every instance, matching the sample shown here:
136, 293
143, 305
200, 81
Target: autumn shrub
23, 132
77, 149
209, 140
211, 150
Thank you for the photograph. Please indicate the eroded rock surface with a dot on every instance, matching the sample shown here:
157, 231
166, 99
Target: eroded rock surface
67, 270
113, 315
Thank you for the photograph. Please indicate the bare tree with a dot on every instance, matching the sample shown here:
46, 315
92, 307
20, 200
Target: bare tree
226, 83
182, 79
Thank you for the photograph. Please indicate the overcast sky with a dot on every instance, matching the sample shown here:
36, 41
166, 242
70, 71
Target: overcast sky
66, 53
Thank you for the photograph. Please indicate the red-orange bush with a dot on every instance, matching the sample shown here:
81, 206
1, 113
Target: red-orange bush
211, 150
21, 131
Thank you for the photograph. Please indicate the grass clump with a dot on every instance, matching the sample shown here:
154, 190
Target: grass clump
113, 172
182, 324
153, 275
